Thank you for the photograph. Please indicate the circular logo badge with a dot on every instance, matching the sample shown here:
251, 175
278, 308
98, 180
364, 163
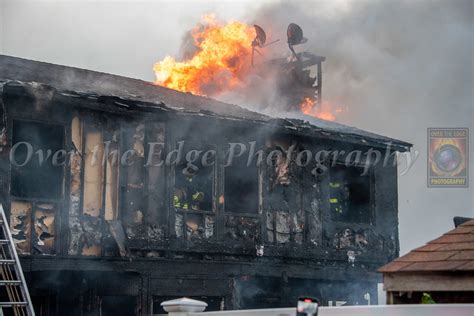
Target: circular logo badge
447, 158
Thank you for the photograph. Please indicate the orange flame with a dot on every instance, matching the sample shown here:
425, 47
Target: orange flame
325, 111
220, 64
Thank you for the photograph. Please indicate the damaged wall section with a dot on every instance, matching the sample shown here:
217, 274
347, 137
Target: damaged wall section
237, 225
115, 195
292, 197
113, 205
36, 186
33, 227
94, 185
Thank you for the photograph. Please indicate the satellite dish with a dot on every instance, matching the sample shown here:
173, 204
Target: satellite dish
259, 40
295, 34
295, 37
261, 37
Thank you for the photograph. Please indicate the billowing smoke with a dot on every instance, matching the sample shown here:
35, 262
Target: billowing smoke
387, 57
397, 67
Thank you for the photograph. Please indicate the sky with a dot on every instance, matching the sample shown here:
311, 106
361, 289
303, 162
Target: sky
399, 67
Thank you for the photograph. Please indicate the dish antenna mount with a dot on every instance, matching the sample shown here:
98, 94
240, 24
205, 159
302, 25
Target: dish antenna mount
295, 37
259, 40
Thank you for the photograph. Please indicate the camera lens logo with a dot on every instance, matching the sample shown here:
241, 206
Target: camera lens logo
448, 159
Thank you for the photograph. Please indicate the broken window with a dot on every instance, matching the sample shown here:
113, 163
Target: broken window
285, 221
350, 194
193, 194
34, 173
241, 196
292, 199
193, 181
241, 187
33, 227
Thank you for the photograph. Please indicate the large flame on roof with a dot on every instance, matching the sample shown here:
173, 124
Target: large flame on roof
221, 62
325, 110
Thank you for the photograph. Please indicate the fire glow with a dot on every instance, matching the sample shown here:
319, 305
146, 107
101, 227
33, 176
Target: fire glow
221, 62
325, 111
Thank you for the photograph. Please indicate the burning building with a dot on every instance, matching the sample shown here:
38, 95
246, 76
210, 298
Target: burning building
115, 231
221, 58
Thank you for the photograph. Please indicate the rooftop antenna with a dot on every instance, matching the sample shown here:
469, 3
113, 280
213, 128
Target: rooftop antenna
295, 37
259, 40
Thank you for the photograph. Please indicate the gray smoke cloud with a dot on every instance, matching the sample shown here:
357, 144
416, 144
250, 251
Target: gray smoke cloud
398, 67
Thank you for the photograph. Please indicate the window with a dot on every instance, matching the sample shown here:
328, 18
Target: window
193, 182
350, 195
36, 179
193, 194
241, 187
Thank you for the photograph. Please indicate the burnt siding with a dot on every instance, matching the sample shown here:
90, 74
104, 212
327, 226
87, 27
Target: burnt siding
239, 284
386, 216
290, 246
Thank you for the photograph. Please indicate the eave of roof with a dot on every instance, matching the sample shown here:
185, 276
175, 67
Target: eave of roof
453, 251
127, 92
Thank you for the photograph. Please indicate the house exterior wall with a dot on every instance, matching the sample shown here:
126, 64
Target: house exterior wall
115, 233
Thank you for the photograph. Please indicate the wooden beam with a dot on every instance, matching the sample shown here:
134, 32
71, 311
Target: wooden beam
410, 282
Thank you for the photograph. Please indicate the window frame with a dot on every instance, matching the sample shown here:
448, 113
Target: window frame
58, 202
175, 211
214, 172
371, 183
61, 196
257, 212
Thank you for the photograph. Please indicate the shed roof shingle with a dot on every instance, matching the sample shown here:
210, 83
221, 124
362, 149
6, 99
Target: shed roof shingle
454, 251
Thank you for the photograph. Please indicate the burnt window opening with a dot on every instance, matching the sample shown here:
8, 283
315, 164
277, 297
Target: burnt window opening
193, 189
35, 179
286, 217
350, 194
241, 187
33, 227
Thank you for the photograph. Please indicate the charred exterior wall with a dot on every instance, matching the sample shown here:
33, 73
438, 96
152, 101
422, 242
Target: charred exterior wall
124, 232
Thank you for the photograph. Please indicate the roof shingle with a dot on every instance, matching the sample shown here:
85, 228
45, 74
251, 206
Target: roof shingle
66, 78
454, 251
